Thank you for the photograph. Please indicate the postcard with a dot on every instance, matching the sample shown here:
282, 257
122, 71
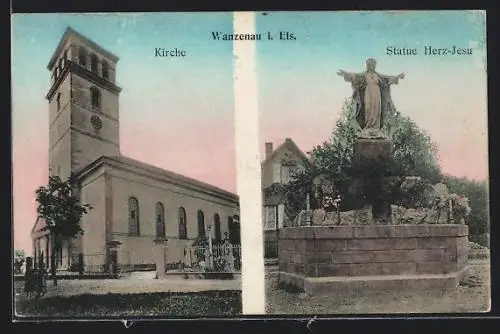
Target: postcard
190, 165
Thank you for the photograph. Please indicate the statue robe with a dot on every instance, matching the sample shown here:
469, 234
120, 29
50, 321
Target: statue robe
359, 85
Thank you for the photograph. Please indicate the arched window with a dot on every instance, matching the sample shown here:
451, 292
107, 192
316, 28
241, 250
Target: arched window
105, 69
218, 235
182, 223
133, 216
160, 220
93, 63
82, 56
95, 96
201, 224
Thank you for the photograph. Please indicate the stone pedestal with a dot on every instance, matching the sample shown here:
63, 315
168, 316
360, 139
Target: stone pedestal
372, 151
159, 256
345, 259
371, 158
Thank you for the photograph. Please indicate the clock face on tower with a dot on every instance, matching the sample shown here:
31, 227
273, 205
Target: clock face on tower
96, 122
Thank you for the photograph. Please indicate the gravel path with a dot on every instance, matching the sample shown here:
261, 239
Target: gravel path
138, 283
471, 296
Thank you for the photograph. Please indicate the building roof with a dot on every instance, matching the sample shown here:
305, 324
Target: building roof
171, 177
70, 32
290, 145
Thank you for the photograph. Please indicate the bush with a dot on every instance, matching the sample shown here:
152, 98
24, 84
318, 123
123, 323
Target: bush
288, 287
19, 259
477, 194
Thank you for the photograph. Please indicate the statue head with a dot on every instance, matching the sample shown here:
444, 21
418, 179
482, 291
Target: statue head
371, 64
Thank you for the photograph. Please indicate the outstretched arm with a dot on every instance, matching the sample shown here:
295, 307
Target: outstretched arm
348, 76
394, 79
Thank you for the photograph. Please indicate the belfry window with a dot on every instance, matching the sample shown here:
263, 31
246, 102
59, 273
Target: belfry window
82, 56
105, 70
93, 63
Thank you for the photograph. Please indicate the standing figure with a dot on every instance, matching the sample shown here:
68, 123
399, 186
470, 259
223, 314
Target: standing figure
371, 94
41, 280
227, 250
29, 278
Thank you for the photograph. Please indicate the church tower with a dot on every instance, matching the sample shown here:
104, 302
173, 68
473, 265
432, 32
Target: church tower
83, 104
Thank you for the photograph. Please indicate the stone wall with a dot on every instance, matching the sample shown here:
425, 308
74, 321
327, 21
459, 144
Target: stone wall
326, 251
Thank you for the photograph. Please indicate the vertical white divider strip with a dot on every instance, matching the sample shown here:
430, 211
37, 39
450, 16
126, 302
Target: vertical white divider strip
248, 165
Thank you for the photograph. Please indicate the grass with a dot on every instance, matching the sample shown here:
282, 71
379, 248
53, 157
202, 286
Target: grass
288, 287
206, 303
473, 295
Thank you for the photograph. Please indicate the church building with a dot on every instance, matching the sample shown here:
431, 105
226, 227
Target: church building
133, 203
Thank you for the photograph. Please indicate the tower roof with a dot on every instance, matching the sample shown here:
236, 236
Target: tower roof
70, 32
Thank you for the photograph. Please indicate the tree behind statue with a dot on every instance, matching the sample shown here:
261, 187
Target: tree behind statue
414, 154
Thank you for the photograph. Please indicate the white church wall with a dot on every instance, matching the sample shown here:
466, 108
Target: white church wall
93, 223
82, 96
149, 191
89, 143
64, 101
59, 134
60, 157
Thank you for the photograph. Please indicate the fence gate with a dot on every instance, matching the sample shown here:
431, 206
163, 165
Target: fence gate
218, 258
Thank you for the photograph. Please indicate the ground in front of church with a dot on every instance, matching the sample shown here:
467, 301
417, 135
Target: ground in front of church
138, 295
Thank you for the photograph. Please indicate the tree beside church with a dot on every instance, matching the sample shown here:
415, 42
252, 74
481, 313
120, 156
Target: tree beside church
62, 211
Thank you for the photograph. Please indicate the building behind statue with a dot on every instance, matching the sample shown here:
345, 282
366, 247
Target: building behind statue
133, 203
277, 169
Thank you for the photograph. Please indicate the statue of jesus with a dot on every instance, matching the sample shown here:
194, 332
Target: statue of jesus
372, 96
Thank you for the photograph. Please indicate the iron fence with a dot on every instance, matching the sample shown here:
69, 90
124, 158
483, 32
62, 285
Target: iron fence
218, 258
